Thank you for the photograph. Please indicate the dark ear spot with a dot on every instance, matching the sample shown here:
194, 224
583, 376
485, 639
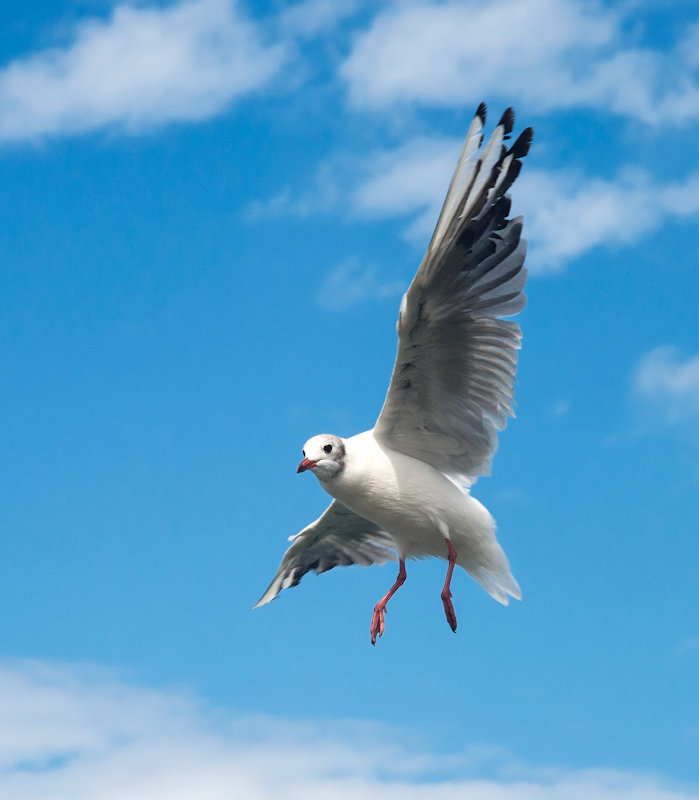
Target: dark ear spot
328, 448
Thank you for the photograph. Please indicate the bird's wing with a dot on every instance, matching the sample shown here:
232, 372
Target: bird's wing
452, 384
338, 538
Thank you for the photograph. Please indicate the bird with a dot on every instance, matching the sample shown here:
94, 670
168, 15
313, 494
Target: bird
403, 489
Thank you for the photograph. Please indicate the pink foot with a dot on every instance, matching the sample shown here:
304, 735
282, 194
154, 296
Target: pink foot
446, 591
449, 610
377, 621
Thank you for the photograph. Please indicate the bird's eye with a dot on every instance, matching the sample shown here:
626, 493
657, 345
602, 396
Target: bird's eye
304, 453
328, 448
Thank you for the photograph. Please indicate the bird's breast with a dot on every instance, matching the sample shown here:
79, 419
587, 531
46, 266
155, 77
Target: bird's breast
401, 494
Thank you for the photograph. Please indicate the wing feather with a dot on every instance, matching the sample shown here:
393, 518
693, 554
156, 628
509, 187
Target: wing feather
339, 537
453, 382
463, 175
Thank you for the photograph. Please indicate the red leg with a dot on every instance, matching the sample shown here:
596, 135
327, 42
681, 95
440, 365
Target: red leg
377, 623
446, 591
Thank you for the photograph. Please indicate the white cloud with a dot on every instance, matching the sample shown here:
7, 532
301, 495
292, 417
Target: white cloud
549, 53
312, 17
142, 67
670, 385
688, 646
408, 181
689, 47
350, 284
561, 408
566, 212
322, 198
72, 733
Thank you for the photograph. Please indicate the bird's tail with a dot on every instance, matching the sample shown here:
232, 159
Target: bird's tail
492, 571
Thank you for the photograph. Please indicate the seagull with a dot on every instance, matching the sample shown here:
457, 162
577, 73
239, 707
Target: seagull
403, 488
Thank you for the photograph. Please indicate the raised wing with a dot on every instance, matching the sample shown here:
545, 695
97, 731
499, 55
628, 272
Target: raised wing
338, 538
452, 384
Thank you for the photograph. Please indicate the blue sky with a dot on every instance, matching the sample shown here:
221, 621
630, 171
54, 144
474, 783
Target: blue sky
210, 210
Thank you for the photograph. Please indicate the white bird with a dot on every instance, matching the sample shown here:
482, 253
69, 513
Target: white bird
405, 485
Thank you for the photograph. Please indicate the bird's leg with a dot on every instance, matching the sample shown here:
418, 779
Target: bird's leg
446, 591
377, 623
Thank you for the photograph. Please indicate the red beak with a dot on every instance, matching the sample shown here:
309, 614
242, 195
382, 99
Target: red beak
306, 464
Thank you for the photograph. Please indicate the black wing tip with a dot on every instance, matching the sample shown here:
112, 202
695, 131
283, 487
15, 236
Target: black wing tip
506, 205
507, 120
524, 141
515, 169
482, 112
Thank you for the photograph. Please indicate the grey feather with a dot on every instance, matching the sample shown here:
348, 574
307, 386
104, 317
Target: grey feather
338, 538
452, 384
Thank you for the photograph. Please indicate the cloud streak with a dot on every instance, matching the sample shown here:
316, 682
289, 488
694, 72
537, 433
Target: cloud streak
567, 213
350, 284
79, 733
553, 54
309, 18
142, 67
670, 385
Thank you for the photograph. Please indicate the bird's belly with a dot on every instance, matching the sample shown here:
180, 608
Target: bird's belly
417, 505
416, 532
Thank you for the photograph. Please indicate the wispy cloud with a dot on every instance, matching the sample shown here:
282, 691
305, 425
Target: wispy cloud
550, 53
351, 283
567, 213
312, 17
142, 67
323, 197
670, 385
688, 647
75, 732
561, 408
409, 181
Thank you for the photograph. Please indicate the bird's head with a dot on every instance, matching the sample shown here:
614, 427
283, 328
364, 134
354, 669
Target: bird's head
324, 455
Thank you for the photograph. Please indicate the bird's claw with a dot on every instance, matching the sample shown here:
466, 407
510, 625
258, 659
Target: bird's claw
377, 622
449, 610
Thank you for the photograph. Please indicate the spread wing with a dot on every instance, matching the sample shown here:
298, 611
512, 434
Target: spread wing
452, 384
338, 538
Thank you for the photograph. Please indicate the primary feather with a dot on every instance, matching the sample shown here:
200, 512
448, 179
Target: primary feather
452, 384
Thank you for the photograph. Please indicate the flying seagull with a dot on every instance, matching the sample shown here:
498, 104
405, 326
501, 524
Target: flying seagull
404, 487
